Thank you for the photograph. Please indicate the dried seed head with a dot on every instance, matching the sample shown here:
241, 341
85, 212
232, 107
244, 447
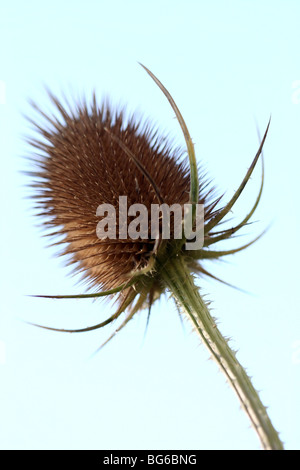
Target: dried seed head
81, 166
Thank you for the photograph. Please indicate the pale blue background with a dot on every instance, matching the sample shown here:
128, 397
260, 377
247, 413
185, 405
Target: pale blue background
229, 65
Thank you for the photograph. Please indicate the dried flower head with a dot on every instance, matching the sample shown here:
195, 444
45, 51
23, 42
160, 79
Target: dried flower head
84, 167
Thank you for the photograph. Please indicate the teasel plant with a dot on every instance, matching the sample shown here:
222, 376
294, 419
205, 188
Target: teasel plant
90, 154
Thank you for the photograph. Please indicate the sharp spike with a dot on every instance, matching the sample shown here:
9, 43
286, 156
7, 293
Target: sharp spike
215, 220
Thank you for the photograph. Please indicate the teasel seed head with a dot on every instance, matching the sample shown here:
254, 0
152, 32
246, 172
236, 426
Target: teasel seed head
91, 154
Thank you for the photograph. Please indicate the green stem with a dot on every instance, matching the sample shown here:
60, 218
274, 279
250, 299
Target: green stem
181, 284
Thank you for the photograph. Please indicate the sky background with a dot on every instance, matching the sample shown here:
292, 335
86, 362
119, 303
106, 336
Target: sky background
229, 65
